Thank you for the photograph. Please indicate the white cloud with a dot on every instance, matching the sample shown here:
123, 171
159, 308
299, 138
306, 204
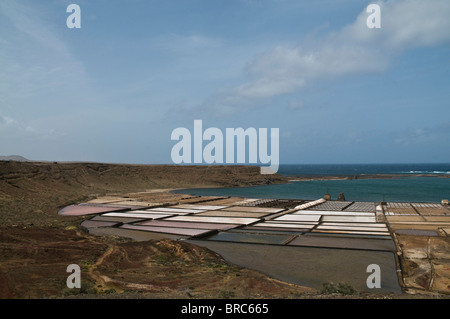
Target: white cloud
356, 49
267, 87
405, 24
353, 50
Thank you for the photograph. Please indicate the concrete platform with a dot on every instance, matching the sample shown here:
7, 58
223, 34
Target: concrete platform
136, 215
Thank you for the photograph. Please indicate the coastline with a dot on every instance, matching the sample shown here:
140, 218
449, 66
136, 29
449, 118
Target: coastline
363, 187
295, 178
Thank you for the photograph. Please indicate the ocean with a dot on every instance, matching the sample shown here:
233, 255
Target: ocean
406, 188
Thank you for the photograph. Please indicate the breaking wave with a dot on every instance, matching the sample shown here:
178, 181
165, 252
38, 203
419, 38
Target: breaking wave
427, 172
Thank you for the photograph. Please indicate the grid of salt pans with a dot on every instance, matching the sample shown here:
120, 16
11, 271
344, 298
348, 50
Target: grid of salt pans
333, 228
331, 205
431, 209
361, 207
162, 220
340, 222
393, 208
258, 202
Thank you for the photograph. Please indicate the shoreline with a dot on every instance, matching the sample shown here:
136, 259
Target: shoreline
378, 179
296, 178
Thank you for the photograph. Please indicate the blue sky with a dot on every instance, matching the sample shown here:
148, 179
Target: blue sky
114, 90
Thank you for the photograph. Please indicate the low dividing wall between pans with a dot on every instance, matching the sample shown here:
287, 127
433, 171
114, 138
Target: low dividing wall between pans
298, 218
349, 219
344, 242
350, 232
266, 210
160, 211
171, 230
200, 207
249, 237
351, 228
175, 210
286, 226
229, 213
175, 224
223, 220
124, 220
368, 225
136, 215
332, 213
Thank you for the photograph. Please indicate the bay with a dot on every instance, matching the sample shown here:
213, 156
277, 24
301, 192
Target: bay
406, 188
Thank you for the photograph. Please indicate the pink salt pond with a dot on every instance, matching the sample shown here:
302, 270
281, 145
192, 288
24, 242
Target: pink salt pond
81, 210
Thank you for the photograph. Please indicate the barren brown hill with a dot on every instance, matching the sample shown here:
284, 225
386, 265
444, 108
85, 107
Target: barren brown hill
33, 193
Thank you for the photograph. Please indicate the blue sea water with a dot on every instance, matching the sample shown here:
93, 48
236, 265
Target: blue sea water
407, 188
356, 169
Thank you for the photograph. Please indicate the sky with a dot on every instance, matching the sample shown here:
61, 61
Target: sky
115, 89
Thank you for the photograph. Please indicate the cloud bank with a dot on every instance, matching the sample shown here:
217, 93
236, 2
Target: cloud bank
353, 50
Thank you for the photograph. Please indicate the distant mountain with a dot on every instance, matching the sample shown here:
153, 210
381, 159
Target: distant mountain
16, 158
